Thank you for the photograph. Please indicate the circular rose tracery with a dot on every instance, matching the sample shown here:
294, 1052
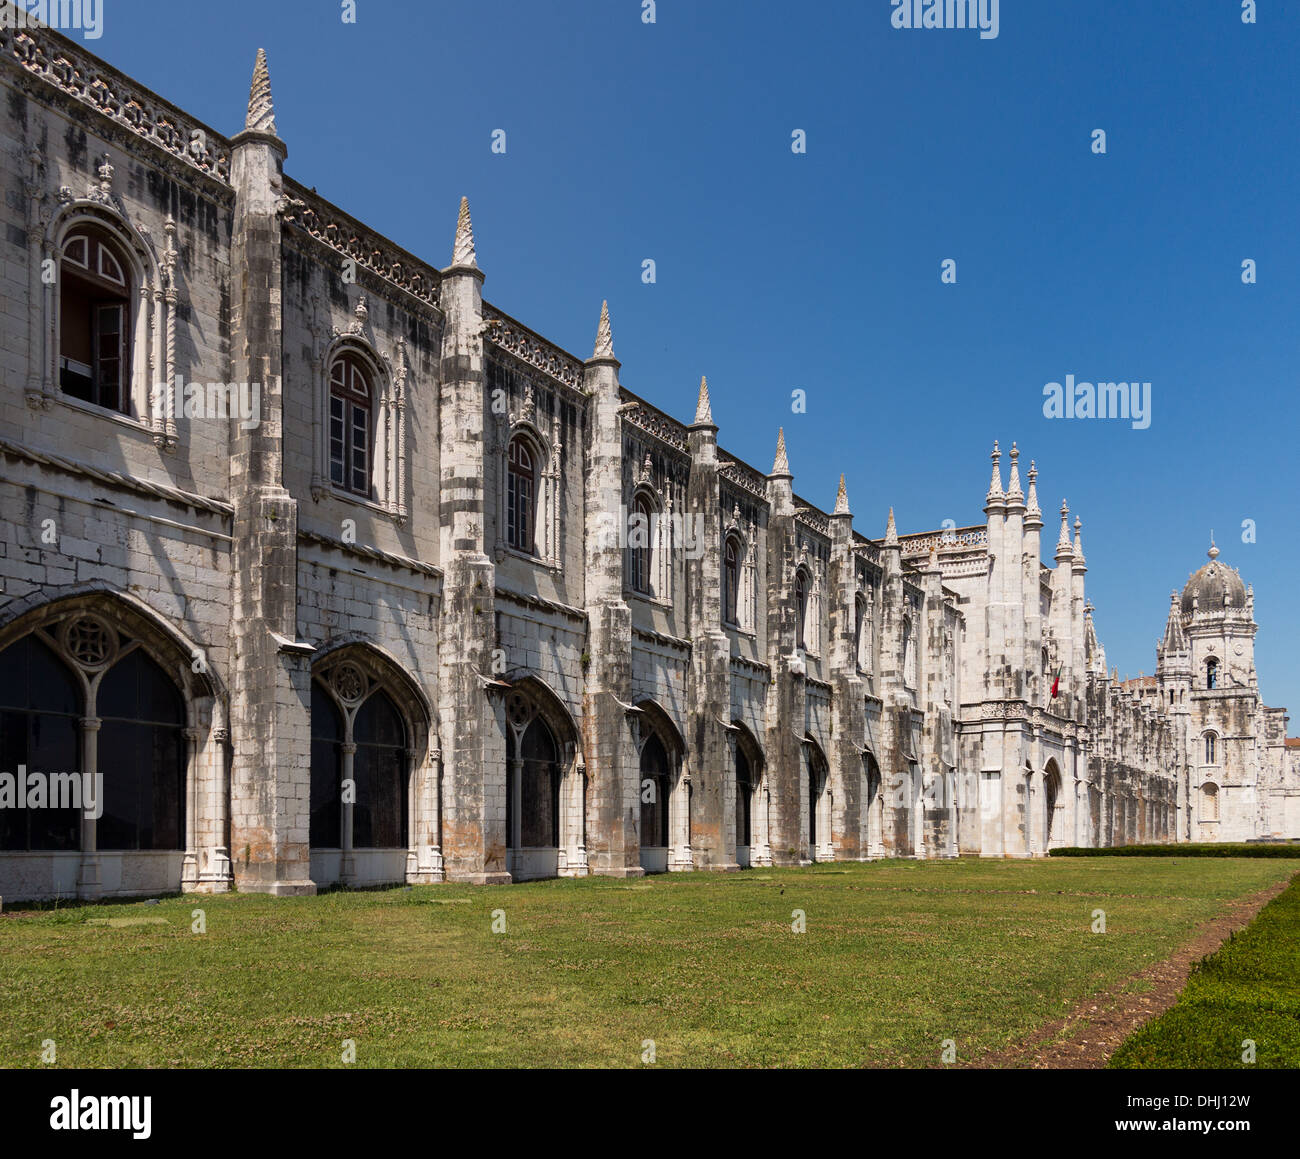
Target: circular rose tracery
349, 683
89, 642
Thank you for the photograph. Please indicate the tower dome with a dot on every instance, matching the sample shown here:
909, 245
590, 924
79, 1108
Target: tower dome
1214, 587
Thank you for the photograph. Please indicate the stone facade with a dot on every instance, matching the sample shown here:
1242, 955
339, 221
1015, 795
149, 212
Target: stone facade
450, 603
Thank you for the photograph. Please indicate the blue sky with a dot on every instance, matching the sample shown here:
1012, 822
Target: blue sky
821, 271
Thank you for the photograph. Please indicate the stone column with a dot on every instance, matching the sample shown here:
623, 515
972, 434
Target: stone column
613, 805
270, 690
89, 883
471, 721
710, 753
786, 712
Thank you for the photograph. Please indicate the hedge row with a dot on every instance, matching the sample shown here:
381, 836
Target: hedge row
1186, 850
1241, 1007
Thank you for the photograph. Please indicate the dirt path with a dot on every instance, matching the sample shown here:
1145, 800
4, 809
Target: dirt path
1093, 1031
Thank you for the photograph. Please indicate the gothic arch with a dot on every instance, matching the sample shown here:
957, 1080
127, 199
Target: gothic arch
373, 784
749, 797
545, 774
817, 782
164, 811
1053, 802
664, 829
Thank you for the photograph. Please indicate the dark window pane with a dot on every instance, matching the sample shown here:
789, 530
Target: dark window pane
326, 770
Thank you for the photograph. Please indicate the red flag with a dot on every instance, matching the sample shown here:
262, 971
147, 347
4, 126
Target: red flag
1056, 684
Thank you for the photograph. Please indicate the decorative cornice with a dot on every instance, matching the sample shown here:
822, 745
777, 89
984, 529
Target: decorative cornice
650, 421
372, 553
515, 338
333, 228
527, 601
51, 58
114, 479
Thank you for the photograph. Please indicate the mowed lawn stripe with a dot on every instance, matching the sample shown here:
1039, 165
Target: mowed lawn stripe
896, 958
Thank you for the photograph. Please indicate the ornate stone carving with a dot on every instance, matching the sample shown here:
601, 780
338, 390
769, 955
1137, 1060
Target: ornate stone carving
511, 337
68, 70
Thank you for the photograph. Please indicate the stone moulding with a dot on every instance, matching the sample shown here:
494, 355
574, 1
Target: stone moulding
337, 231
744, 476
372, 553
657, 425
45, 55
522, 600
515, 338
665, 641
114, 479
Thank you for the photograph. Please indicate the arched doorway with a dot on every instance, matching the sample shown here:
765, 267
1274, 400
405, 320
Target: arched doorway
1051, 802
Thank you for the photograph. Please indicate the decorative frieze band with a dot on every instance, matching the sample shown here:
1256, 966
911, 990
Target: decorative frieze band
59, 64
365, 247
515, 338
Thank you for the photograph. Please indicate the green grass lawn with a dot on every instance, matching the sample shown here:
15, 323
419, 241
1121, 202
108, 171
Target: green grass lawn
897, 957
1248, 990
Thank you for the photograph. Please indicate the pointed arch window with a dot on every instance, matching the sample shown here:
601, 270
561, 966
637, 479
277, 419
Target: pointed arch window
521, 495
139, 747
1211, 748
641, 547
656, 787
95, 322
909, 676
1212, 673
731, 581
351, 425
801, 608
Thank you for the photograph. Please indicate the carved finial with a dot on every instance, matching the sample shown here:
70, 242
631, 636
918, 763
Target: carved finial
891, 530
529, 409
604, 336
703, 410
1063, 543
1213, 553
462, 252
1078, 540
1013, 483
782, 464
934, 556
261, 114
842, 499
105, 174
1032, 508
995, 484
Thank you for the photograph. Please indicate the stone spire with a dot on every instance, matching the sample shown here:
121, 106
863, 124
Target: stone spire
1033, 511
842, 500
604, 336
1078, 540
261, 114
782, 464
1175, 638
462, 253
995, 496
891, 531
1014, 494
1063, 547
703, 411
1095, 662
